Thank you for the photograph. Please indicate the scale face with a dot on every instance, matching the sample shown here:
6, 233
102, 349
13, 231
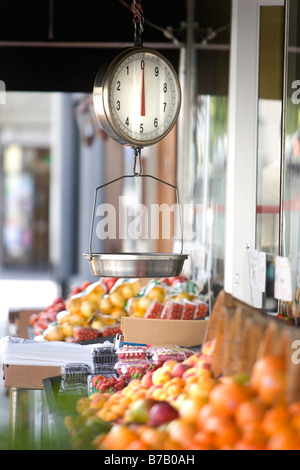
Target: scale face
138, 99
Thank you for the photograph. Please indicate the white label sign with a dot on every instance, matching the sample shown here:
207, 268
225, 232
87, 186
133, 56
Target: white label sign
253, 258
283, 279
262, 263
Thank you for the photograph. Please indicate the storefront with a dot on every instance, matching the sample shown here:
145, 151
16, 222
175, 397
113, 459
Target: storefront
232, 159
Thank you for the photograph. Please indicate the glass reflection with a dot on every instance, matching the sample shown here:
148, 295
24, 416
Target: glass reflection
291, 203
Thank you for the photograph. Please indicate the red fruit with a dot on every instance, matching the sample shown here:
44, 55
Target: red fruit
165, 280
147, 380
33, 319
161, 413
179, 369
74, 291
181, 278
109, 282
84, 285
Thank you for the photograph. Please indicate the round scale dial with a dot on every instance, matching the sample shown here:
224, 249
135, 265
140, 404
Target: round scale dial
138, 100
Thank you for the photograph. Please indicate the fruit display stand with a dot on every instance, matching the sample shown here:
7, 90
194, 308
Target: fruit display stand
240, 393
244, 334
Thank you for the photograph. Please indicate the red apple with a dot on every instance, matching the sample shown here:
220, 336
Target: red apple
140, 409
161, 413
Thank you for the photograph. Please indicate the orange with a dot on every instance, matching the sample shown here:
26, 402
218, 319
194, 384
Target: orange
271, 388
181, 432
244, 445
254, 435
266, 366
111, 415
227, 436
248, 412
203, 440
222, 431
172, 445
295, 422
284, 440
137, 445
119, 437
294, 408
226, 397
206, 412
276, 419
154, 438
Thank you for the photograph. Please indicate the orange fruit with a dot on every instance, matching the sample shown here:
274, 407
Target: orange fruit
276, 419
271, 388
154, 438
254, 435
181, 432
294, 408
119, 437
266, 366
227, 436
205, 413
226, 397
284, 440
172, 445
203, 440
137, 445
295, 422
222, 431
244, 445
249, 411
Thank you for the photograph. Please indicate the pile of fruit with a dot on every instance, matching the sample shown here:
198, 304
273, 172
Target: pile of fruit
94, 310
181, 406
41, 321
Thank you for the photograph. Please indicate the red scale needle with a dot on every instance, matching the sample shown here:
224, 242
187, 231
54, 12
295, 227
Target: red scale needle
143, 103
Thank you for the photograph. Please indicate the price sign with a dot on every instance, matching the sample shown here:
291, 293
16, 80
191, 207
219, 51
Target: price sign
253, 257
283, 279
262, 263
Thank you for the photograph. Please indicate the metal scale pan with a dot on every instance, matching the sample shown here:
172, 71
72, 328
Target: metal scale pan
135, 265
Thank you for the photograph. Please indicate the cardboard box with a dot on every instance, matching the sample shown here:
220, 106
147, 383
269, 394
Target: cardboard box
185, 333
20, 320
29, 377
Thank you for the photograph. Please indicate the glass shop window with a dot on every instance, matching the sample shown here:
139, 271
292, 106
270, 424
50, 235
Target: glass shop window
25, 161
25, 209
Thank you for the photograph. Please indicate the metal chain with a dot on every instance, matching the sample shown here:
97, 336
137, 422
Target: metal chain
138, 20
